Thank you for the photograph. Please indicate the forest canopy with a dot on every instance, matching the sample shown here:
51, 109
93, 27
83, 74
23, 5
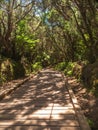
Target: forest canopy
57, 34
47, 32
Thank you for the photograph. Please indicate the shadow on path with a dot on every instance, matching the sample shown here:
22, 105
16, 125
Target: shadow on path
42, 103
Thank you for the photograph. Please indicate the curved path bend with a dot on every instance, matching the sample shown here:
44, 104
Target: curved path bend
42, 103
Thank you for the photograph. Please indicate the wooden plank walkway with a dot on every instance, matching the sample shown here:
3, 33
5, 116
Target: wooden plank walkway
42, 103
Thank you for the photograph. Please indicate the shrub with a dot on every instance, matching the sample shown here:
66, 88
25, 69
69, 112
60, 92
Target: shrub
27, 65
77, 70
36, 66
69, 69
6, 70
61, 66
10, 70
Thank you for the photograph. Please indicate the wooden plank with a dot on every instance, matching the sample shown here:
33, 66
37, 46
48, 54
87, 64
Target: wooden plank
18, 122
37, 122
38, 128
55, 117
67, 122
23, 128
30, 109
33, 105
35, 116
63, 117
63, 128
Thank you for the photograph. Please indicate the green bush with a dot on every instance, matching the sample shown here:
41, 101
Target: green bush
6, 72
10, 70
27, 65
61, 66
90, 122
36, 66
69, 69
66, 67
77, 70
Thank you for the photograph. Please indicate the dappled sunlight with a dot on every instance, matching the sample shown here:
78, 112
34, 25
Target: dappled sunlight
43, 78
59, 106
64, 122
58, 111
43, 101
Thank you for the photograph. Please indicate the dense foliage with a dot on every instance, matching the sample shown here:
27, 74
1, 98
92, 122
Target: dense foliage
57, 33
40, 33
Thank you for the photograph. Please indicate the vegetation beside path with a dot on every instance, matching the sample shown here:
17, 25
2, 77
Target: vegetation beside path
62, 34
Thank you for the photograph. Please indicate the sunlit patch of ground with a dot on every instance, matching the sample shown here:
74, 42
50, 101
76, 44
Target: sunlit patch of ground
43, 103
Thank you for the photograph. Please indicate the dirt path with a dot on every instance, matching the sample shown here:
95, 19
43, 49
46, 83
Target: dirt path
42, 103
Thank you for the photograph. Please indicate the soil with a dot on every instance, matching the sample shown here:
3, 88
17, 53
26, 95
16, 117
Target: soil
87, 101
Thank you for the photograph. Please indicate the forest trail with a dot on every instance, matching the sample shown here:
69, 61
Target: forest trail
42, 103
